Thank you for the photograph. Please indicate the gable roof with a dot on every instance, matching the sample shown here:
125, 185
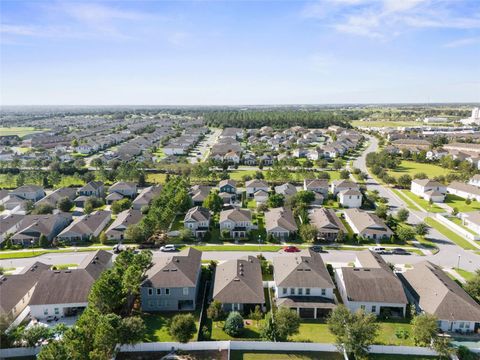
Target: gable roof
439, 295
280, 218
87, 224
256, 183
124, 219
57, 195
427, 182
147, 195
235, 215
14, 287
305, 269
364, 220
323, 218
70, 286
316, 183
197, 213
91, 186
239, 281
179, 270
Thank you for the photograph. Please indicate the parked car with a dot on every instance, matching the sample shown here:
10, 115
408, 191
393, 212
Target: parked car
400, 251
291, 249
316, 248
118, 248
378, 249
168, 248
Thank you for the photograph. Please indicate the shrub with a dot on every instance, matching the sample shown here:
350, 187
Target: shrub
234, 324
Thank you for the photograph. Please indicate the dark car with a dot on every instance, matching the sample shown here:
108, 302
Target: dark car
316, 248
291, 249
400, 251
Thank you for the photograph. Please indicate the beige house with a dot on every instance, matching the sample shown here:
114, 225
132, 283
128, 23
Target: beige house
367, 225
237, 221
280, 223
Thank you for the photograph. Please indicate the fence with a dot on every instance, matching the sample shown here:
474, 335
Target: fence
458, 229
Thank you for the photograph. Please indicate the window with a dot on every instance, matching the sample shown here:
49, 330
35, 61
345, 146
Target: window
284, 291
292, 291
159, 291
307, 291
57, 311
324, 292
150, 291
167, 291
362, 307
374, 309
300, 291
185, 291
45, 312
462, 325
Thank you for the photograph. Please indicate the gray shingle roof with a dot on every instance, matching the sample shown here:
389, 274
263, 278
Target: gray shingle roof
280, 218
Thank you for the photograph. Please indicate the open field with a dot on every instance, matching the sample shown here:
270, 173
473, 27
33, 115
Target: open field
460, 204
457, 239
385, 123
267, 248
156, 178
411, 168
19, 131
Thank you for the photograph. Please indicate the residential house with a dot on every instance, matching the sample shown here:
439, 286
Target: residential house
319, 186
29, 192
64, 293
9, 224
472, 221
228, 186
172, 282
227, 198
466, 191
238, 284
367, 225
146, 196
199, 193
434, 292
31, 227
340, 185
126, 189
197, 220
112, 197
54, 197
428, 189
303, 284
328, 224
371, 286
92, 188
350, 198
129, 217
280, 223
86, 226
17, 289
260, 197
475, 180
237, 221
286, 190
252, 186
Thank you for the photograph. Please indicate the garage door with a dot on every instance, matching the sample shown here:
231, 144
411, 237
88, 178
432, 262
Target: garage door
307, 313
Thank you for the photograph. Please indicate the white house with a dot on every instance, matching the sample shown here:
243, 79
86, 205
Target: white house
350, 198
428, 189
237, 221
466, 191
303, 284
197, 220
472, 221
475, 180
254, 185
340, 185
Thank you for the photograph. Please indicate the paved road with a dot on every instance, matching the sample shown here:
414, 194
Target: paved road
449, 253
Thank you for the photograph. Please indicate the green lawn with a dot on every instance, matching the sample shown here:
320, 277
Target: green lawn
313, 331
467, 275
453, 236
276, 355
250, 332
156, 178
238, 174
424, 204
158, 323
411, 168
33, 253
455, 201
387, 334
178, 223
384, 123
19, 131
70, 180
400, 357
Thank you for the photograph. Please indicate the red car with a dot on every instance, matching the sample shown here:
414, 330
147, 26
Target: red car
291, 249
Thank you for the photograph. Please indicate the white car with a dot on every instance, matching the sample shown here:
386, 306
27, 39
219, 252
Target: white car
168, 248
378, 249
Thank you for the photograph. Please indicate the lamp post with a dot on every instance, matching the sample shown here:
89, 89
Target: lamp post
458, 262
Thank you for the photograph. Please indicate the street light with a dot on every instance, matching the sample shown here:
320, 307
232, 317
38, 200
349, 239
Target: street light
458, 262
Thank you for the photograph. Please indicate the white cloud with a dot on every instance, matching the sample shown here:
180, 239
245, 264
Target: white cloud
462, 42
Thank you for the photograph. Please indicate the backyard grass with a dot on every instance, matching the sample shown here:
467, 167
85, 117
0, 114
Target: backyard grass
157, 325
276, 355
156, 178
238, 174
251, 331
313, 331
387, 335
457, 239
70, 180
19, 131
455, 201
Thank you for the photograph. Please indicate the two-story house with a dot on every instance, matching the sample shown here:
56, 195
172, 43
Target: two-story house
429, 189
252, 186
197, 220
237, 221
172, 282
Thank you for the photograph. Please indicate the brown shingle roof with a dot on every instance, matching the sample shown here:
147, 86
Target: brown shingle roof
179, 270
303, 270
239, 281
280, 218
439, 295
326, 219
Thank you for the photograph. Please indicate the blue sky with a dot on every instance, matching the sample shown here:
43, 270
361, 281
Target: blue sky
239, 52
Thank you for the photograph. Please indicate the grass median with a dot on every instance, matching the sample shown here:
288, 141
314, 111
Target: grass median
451, 235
